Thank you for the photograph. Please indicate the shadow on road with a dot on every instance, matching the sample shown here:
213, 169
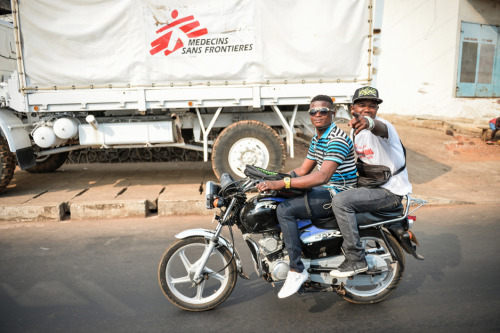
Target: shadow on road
422, 169
446, 253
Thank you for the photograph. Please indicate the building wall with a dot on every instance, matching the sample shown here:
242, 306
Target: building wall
419, 52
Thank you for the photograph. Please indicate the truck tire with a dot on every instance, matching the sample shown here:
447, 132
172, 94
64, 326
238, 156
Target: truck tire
49, 163
247, 142
7, 164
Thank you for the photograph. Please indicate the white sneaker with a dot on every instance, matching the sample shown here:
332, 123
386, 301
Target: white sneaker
292, 283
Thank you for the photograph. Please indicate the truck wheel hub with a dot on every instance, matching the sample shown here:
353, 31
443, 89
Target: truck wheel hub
247, 151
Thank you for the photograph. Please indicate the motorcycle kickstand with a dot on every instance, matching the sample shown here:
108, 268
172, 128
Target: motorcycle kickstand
339, 289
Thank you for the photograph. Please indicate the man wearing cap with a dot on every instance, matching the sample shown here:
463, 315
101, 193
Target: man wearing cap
332, 152
376, 142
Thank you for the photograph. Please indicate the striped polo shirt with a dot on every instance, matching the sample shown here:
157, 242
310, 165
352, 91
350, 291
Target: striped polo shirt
335, 145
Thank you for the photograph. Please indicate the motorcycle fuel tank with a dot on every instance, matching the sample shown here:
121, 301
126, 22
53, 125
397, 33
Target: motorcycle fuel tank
259, 215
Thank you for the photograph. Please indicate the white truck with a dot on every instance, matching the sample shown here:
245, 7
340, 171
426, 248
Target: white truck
229, 78
7, 50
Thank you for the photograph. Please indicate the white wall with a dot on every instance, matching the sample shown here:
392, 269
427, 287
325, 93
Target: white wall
419, 56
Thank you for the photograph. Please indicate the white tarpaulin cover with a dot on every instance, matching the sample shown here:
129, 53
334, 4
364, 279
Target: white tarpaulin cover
145, 42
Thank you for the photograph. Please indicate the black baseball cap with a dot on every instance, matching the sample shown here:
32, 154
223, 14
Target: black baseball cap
366, 93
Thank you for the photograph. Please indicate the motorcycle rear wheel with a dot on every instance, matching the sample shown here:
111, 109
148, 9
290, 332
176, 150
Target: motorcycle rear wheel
177, 266
367, 289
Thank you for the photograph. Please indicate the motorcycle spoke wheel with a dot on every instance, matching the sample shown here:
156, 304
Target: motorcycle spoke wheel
177, 268
373, 288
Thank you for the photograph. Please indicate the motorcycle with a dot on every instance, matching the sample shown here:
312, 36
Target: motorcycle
199, 271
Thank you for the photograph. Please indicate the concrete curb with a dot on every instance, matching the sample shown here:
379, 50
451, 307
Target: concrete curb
115, 209
183, 207
108, 209
27, 213
441, 201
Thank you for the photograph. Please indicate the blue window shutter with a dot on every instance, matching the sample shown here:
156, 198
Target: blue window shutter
479, 66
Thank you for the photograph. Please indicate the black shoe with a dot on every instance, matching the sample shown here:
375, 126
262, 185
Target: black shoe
349, 268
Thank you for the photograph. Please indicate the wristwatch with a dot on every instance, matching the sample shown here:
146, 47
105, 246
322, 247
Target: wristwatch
287, 182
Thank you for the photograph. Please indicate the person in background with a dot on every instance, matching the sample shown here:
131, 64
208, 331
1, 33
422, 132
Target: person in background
494, 126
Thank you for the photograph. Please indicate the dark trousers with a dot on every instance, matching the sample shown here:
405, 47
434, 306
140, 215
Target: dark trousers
293, 209
359, 200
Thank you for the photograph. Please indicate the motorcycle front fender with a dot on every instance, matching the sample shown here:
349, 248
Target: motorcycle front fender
209, 234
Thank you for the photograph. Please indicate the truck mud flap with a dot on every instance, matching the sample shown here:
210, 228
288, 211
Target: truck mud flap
26, 158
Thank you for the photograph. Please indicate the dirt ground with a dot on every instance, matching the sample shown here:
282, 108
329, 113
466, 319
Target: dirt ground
443, 169
460, 168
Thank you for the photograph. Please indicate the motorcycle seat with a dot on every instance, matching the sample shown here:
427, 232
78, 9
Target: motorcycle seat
361, 218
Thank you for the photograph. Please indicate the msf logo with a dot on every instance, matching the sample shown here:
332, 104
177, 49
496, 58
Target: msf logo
177, 34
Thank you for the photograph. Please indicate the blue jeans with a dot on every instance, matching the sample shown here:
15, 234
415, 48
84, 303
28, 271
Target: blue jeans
293, 209
359, 200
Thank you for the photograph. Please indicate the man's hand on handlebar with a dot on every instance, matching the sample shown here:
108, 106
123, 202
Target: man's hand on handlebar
270, 185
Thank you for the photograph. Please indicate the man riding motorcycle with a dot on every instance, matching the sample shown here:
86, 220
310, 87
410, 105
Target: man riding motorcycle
332, 151
376, 143
199, 271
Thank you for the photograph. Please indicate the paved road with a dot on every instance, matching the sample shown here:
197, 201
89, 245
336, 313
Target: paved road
100, 276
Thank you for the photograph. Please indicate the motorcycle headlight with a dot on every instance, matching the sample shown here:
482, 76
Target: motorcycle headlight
211, 191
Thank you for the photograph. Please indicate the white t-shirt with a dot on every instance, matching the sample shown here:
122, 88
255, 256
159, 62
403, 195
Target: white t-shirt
372, 149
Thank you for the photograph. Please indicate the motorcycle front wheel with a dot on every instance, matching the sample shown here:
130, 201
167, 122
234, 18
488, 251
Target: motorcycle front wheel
373, 288
178, 265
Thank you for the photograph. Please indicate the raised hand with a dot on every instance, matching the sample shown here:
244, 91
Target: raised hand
358, 122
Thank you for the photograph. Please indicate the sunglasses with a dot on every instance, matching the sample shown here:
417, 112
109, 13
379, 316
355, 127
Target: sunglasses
322, 111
